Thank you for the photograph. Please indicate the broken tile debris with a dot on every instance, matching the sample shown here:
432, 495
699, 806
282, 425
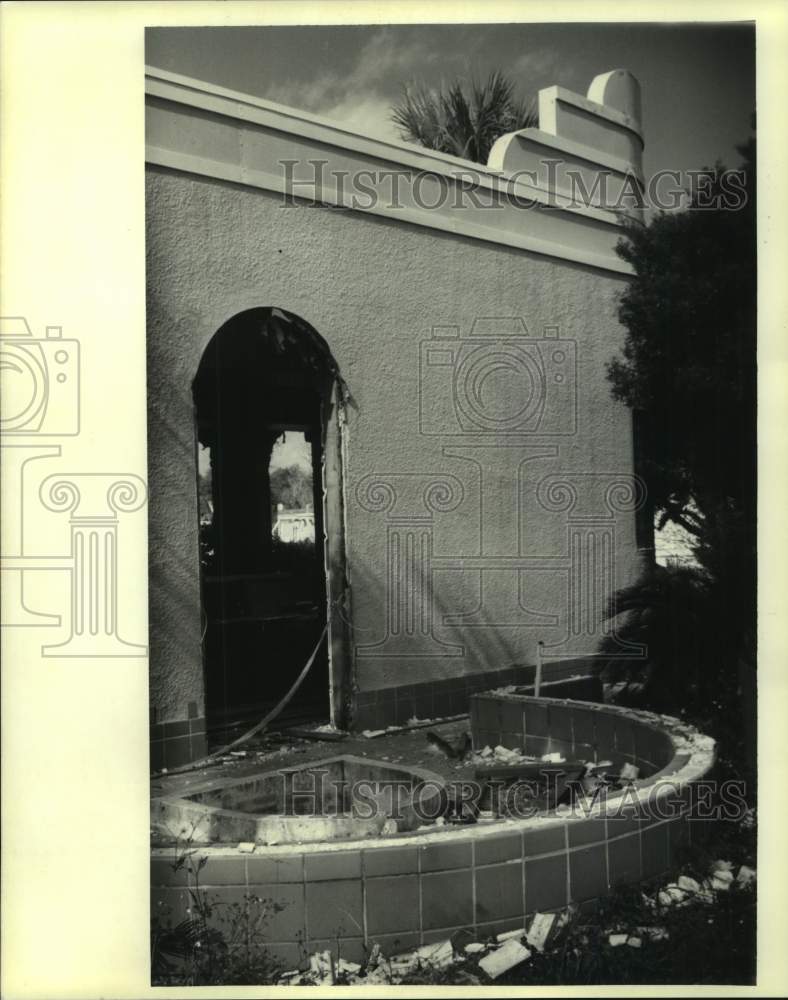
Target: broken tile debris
510, 954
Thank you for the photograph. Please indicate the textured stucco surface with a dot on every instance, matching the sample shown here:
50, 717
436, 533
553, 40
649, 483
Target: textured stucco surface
373, 289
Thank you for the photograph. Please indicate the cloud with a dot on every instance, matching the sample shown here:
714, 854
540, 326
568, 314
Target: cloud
362, 85
362, 96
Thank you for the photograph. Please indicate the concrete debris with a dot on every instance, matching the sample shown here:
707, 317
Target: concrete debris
721, 876
554, 758
653, 933
616, 940
671, 894
246, 848
539, 931
633, 942
510, 954
344, 967
688, 884
746, 876
321, 966
474, 947
629, 772
515, 935
437, 955
371, 734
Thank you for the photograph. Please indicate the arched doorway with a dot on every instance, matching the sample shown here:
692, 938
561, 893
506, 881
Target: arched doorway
263, 402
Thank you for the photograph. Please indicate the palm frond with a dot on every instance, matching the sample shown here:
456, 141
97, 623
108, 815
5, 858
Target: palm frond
462, 119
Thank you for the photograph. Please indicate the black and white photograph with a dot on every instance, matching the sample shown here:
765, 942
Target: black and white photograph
432, 584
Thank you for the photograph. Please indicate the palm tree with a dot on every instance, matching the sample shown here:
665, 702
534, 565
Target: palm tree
463, 119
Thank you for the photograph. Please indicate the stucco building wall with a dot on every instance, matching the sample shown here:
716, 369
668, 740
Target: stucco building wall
494, 544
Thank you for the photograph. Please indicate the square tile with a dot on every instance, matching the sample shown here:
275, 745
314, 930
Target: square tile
545, 841
404, 709
424, 704
162, 873
545, 883
457, 702
484, 714
586, 831
227, 906
334, 909
499, 891
513, 718
179, 728
286, 920
440, 857
392, 904
560, 723
336, 865
537, 720
447, 899
223, 871
625, 738
583, 726
274, 869
605, 735
624, 860
198, 746
488, 850
588, 873
177, 751
390, 861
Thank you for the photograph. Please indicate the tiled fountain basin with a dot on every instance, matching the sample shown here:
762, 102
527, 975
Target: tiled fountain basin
341, 797
422, 886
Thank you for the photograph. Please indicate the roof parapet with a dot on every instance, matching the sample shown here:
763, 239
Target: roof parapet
599, 138
538, 192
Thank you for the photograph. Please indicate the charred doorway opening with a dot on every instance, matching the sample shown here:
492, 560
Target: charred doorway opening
261, 395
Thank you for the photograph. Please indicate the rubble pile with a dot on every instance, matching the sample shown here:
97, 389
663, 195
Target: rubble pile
493, 957
475, 962
686, 890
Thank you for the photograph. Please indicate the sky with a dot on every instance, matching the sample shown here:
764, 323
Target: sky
698, 80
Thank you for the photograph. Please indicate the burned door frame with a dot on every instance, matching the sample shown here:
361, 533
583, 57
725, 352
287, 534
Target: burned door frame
330, 488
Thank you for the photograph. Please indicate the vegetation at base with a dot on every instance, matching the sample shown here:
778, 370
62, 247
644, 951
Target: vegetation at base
217, 943
688, 371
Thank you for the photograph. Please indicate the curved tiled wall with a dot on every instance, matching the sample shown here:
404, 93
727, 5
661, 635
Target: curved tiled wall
416, 888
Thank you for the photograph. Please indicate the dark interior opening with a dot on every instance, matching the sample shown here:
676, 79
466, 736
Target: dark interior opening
260, 398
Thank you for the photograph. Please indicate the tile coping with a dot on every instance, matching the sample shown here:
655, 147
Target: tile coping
694, 754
